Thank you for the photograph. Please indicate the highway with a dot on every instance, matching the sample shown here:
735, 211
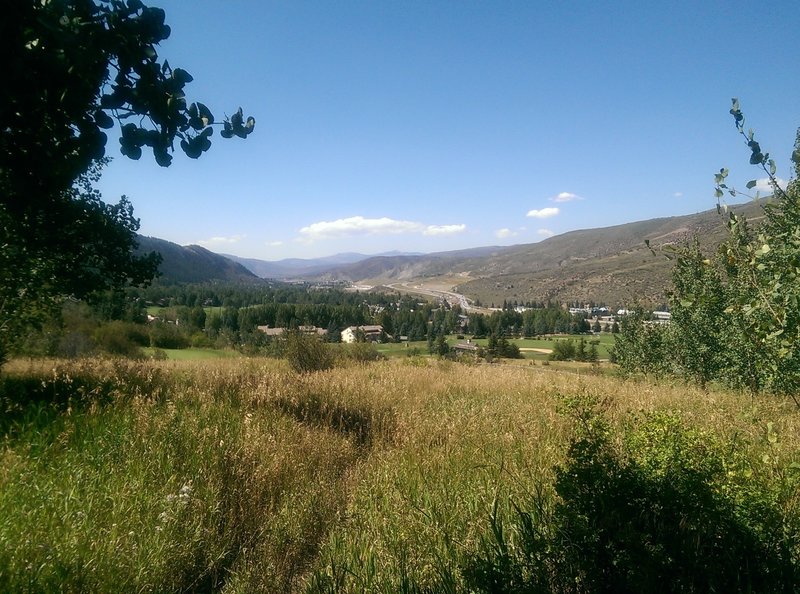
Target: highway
449, 296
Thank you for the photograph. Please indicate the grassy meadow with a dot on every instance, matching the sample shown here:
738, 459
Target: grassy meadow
192, 354
404, 475
537, 349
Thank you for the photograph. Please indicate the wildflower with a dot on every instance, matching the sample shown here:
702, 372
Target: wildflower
186, 491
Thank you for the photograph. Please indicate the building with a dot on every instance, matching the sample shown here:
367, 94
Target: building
271, 331
303, 329
371, 333
467, 347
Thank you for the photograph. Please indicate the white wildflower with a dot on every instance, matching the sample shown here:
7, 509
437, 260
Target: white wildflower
186, 491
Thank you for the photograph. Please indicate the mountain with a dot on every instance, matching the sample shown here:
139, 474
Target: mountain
611, 264
292, 268
192, 263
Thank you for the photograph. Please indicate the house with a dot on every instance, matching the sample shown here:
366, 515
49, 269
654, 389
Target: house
467, 347
271, 331
312, 330
371, 333
303, 329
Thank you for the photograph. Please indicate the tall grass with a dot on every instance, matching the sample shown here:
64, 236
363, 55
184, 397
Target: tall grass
242, 475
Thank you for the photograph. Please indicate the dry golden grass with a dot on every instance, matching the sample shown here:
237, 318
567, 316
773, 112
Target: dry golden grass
352, 480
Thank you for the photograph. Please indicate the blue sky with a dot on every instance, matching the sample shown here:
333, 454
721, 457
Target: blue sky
431, 126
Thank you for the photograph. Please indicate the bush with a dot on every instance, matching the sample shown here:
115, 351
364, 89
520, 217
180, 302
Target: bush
563, 350
116, 338
307, 353
360, 352
167, 336
663, 513
200, 340
159, 355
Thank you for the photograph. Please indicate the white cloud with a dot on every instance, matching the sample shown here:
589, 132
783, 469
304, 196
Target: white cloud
444, 229
678, 195
505, 233
218, 241
358, 226
544, 213
274, 243
354, 226
565, 197
764, 186
545, 232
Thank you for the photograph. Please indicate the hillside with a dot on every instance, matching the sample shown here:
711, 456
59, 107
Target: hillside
192, 263
293, 268
610, 264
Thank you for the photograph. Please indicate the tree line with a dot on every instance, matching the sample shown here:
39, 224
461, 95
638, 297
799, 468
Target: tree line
735, 312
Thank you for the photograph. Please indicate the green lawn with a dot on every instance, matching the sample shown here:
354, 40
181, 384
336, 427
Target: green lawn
606, 341
403, 349
194, 354
156, 310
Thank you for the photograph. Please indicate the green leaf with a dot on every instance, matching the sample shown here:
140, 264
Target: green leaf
751, 184
131, 151
163, 158
181, 76
205, 114
103, 120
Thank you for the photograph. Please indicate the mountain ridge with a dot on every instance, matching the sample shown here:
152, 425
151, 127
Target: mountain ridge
605, 264
612, 265
192, 263
293, 268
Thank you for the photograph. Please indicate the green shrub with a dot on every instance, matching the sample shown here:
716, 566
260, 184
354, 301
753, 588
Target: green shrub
199, 340
159, 355
116, 338
360, 352
661, 513
307, 353
563, 350
167, 336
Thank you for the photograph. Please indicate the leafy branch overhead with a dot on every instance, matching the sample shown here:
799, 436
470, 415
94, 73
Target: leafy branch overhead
735, 315
757, 157
75, 70
96, 63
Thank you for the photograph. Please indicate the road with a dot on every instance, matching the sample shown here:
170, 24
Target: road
449, 296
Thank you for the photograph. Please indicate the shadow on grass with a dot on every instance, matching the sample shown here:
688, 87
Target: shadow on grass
32, 402
360, 423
